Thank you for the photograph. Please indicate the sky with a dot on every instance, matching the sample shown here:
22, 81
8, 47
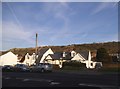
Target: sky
58, 23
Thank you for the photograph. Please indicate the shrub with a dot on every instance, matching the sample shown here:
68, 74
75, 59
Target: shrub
56, 67
74, 64
103, 56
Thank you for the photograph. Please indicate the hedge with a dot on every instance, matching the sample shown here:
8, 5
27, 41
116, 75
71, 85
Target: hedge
74, 64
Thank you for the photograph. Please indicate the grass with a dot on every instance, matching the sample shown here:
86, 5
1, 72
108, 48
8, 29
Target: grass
111, 67
71, 68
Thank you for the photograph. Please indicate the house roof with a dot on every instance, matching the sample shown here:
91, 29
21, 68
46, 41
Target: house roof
23, 59
84, 54
41, 52
59, 55
8, 53
56, 56
68, 56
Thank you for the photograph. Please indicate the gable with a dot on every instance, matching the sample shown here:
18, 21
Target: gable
24, 57
48, 57
7, 55
43, 53
84, 54
49, 51
8, 59
78, 57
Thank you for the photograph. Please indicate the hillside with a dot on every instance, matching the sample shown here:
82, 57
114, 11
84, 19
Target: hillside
111, 47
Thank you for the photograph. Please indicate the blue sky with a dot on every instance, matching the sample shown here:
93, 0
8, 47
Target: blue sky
58, 23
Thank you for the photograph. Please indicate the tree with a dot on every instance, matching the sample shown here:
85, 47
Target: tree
118, 55
103, 56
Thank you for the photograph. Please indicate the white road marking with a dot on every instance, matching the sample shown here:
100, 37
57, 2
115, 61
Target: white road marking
32, 79
7, 78
26, 79
94, 85
41, 80
46, 80
18, 78
54, 83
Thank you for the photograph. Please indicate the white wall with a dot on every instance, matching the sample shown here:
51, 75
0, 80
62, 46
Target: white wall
29, 59
88, 62
56, 62
78, 57
8, 59
73, 53
49, 51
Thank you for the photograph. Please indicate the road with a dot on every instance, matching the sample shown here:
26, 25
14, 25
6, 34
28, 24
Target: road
60, 79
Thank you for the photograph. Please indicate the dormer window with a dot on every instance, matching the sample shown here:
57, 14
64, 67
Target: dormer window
64, 54
73, 53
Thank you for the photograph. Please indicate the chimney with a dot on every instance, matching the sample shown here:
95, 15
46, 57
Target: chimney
64, 55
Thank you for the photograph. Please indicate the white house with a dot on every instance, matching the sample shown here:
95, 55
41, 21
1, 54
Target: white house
8, 59
42, 53
46, 55
85, 57
58, 58
28, 59
77, 56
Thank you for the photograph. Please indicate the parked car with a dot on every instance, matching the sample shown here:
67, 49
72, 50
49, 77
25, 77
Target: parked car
7, 68
21, 67
41, 67
98, 66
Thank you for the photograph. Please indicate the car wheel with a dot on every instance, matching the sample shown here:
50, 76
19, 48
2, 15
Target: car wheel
42, 70
31, 70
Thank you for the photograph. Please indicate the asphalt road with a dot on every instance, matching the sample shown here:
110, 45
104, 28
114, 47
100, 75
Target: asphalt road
60, 79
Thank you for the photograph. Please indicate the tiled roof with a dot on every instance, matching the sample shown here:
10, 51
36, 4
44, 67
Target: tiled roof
23, 59
40, 53
84, 54
59, 55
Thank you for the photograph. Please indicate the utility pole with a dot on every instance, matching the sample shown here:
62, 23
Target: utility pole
36, 43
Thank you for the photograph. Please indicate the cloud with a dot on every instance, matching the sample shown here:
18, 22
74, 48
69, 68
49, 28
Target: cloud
12, 11
102, 6
52, 22
14, 36
60, 0
81, 33
114, 37
13, 32
60, 11
0, 36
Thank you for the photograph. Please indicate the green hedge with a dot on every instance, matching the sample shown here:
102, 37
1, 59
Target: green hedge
74, 64
56, 66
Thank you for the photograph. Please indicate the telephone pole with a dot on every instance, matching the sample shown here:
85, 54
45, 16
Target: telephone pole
36, 43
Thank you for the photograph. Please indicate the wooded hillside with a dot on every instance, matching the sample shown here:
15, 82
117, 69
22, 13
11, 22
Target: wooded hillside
111, 47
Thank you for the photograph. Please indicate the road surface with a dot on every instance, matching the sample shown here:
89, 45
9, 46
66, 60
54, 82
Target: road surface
60, 79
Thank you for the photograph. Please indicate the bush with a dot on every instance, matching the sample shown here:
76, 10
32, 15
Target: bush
73, 64
56, 67
103, 56
111, 67
71, 68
